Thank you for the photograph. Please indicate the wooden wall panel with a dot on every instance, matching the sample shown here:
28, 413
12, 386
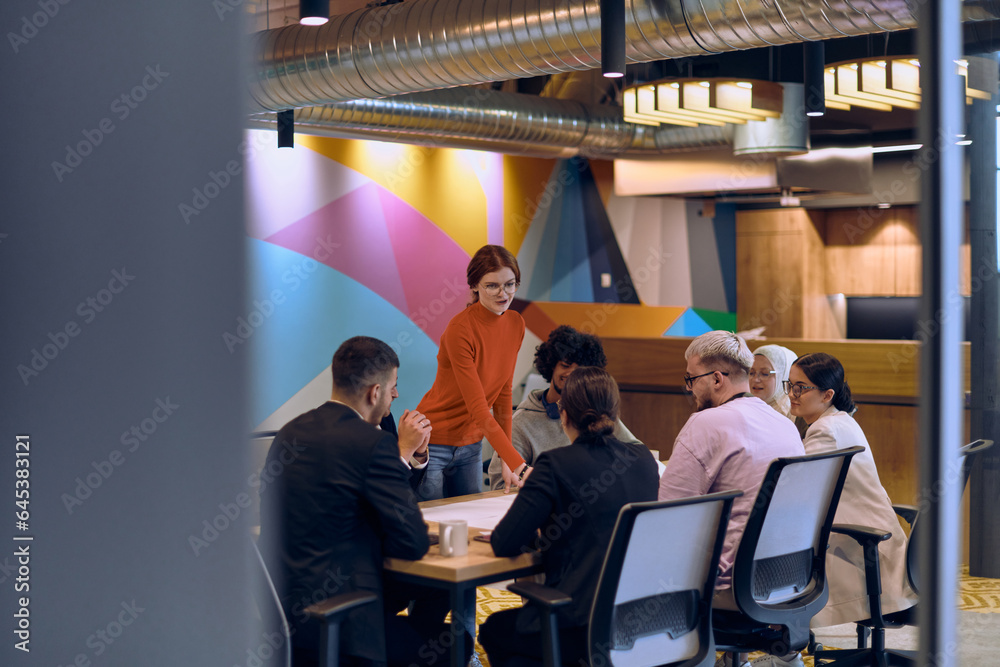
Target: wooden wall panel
860, 253
909, 253
781, 273
965, 276
892, 433
878, 252
769, 265
656, 418
647, 364
818, 321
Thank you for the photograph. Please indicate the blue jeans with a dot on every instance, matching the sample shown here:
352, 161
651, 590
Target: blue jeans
452, 471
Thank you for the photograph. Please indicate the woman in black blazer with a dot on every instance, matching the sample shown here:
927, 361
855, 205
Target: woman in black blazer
567, 510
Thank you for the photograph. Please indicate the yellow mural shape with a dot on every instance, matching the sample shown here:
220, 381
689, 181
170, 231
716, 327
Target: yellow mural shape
524, 180
435, 181
614, 320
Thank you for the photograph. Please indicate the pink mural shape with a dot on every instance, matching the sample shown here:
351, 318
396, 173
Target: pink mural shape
349, 234
379, 240
431, 264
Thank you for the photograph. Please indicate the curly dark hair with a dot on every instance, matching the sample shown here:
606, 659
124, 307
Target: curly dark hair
574, 347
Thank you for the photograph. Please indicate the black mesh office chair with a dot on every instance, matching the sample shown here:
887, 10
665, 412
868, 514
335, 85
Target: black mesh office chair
779, 575
653, 603
874, 627
330, 613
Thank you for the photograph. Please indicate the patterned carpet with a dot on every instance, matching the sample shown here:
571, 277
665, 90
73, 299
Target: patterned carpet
975, 594
978, 594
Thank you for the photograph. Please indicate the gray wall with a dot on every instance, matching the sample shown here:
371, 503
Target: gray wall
113, 311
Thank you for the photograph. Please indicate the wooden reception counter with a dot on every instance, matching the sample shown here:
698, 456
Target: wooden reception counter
883, 376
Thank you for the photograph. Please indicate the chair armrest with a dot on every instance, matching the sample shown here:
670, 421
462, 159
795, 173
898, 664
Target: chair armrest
868, 538
549, 600
547, 597
338, 605
861, 534
907, 512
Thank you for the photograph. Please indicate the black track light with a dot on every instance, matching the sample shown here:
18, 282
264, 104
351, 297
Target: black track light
286, 129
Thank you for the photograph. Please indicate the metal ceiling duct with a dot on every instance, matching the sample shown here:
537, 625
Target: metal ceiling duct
428, 44
502, 122
787, 134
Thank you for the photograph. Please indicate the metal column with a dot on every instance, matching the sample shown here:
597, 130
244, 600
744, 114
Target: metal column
984, 520
941, 216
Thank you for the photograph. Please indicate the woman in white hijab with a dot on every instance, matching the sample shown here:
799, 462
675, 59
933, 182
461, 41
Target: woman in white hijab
771, 364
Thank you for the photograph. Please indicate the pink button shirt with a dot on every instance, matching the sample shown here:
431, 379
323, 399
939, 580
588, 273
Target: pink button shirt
724, 448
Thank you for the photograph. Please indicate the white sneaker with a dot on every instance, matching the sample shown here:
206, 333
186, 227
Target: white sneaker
775, 661
727, 661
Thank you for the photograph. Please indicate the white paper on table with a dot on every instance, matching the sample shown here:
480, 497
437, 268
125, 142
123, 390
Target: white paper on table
482, 513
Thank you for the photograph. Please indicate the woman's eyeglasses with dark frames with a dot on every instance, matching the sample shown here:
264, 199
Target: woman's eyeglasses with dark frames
795, 390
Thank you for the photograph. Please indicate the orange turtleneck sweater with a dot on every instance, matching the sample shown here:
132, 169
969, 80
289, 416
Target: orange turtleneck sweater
475, 372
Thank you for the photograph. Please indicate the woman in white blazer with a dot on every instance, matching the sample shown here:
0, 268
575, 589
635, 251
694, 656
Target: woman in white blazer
819, 394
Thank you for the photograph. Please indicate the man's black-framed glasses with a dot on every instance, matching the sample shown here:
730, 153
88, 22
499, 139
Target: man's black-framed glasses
689, 379
796, 389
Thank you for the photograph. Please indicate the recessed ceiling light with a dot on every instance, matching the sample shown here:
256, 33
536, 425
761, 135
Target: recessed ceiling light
897, 149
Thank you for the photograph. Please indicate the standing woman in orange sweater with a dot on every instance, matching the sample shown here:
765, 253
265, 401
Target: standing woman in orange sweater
475, 373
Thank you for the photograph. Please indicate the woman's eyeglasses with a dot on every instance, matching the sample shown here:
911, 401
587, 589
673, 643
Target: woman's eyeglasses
493, 289
762, 375
796, 390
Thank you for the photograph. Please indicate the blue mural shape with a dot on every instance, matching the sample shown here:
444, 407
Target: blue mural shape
725, 239
300, 311
571, 244
688, 324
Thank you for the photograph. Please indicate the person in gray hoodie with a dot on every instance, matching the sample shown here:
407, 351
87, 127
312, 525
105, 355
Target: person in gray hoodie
535, 427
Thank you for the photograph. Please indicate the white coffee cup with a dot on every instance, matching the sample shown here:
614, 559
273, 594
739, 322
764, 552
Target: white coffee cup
454, 537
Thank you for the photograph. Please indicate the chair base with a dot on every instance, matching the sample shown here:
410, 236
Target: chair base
735, 632
864, 657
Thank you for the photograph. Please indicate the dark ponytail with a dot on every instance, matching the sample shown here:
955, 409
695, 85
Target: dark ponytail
826, 372
591, 401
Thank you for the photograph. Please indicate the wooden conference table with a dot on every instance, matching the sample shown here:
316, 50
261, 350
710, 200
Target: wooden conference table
460, 575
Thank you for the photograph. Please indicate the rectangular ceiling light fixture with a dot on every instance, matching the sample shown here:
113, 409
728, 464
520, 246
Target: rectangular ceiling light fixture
693, 102
884, 84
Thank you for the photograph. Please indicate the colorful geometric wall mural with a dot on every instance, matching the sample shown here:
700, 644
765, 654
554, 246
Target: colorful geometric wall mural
364, 238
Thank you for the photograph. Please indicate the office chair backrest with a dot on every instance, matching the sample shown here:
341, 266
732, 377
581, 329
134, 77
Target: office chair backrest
272, 615
654, 597
780, 565
967, 454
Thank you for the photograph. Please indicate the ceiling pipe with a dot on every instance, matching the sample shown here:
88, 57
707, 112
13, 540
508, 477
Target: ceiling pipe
428, 44
512, 123
311, 69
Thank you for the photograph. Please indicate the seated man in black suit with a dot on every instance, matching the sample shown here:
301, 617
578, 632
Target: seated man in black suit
342, 503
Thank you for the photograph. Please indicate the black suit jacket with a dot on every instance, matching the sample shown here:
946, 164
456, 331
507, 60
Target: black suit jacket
573, 497
339, 503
